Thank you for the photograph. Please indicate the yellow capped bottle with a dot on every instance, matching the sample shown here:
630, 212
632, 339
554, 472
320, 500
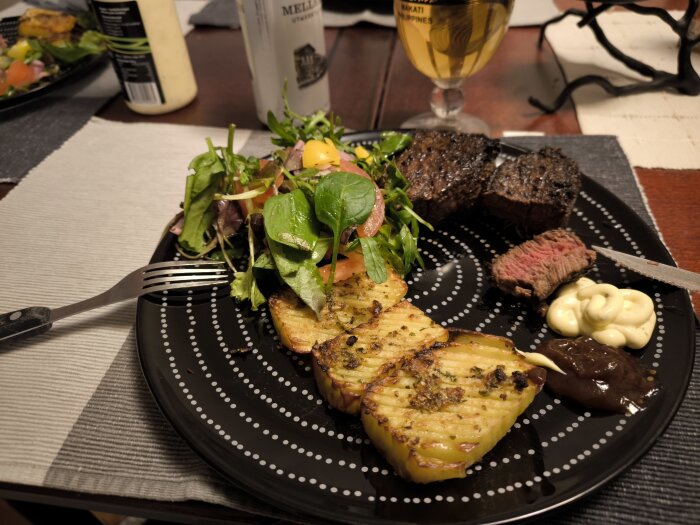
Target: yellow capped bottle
148, 53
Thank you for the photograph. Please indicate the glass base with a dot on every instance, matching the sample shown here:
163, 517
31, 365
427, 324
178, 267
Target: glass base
461, 122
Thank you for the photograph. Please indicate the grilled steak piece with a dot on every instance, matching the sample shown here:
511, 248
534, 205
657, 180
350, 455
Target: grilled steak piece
536, 191
447, 171
535, 268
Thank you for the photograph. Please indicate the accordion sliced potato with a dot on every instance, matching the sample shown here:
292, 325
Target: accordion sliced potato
444, 408
344, 365
351, 302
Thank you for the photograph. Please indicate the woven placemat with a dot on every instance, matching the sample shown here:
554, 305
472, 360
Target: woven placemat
81, 389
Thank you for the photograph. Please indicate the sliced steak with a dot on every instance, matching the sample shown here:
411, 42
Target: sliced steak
535, 192
535, 268
446, 171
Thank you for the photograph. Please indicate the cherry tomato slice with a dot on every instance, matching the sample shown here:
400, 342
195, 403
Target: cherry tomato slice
19, 74
344, 268
267, 169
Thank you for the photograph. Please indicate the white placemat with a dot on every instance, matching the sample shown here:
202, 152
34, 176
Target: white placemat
656, 130
91, 212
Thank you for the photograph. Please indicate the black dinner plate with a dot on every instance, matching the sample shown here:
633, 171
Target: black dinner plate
67, 74
257, 417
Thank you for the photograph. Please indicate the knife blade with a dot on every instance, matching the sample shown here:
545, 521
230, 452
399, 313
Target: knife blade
655, 270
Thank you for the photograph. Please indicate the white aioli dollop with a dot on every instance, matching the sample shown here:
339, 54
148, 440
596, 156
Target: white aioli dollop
611, 316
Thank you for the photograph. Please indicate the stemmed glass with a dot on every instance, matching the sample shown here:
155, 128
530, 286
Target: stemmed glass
448, 41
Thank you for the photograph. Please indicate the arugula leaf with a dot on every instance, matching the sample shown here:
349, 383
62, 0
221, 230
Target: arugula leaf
200, 188
294, 127
409, 247
264, 262
374, 262
290, 220
300, 273
342, 200
391, 144
245, 288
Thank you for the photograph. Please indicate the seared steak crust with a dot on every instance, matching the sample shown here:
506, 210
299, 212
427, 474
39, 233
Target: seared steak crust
536, 191
535, 268
447, 171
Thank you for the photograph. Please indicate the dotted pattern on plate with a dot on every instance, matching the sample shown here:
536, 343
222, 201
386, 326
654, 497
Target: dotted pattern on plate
263, 406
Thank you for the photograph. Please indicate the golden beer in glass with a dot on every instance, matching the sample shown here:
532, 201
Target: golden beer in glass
448, 41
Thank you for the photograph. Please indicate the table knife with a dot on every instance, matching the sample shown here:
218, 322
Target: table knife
655, 270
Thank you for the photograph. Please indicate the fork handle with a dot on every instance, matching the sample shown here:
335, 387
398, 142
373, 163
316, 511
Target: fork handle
20, 324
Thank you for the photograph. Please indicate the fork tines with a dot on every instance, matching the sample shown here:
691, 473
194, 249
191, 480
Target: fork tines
172, 275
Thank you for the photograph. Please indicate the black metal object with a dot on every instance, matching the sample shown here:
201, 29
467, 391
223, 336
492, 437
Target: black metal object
685, 81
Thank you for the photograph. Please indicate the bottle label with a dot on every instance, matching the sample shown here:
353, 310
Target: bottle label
309, 64
130, 51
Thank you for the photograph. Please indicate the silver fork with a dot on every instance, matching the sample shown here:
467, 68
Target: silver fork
156, 277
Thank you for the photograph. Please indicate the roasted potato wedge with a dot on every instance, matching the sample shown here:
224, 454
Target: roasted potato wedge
344, 365
352, 302
441, 410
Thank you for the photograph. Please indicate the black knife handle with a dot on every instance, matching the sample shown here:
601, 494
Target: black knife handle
20, 324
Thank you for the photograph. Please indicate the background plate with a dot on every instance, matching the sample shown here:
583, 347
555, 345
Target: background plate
257, 418
68, 73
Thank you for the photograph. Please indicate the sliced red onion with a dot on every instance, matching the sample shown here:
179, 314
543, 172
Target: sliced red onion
294, 158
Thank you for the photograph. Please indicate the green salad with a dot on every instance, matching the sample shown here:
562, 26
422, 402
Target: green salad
316, 211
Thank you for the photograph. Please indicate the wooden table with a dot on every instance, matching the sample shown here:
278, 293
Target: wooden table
374, 86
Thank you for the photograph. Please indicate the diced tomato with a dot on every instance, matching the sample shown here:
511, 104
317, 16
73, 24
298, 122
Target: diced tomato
19, 74
267, 169
346, 165
344, 268
376, 218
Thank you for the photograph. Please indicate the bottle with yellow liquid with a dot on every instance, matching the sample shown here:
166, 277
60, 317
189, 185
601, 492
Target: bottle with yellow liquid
148, 52
448, 41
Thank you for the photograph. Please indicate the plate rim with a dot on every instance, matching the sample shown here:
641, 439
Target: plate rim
541, 509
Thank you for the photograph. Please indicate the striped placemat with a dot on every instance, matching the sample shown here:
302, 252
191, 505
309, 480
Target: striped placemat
75, 411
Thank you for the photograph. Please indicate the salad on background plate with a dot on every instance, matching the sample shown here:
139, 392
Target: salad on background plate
43, 46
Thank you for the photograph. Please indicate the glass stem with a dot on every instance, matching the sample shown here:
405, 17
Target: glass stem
447, 99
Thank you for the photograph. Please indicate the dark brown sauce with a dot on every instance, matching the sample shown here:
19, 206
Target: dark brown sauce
598, 376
